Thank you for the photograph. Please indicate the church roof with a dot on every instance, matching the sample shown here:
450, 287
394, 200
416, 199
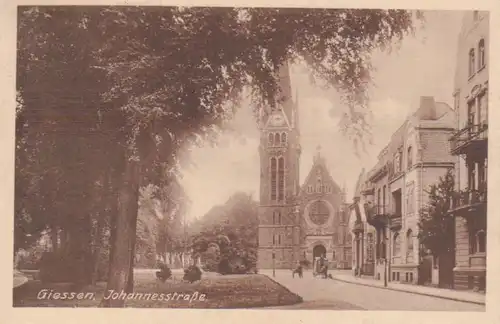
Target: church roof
319, 162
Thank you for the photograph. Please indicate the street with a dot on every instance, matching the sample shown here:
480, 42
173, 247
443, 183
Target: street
332, 294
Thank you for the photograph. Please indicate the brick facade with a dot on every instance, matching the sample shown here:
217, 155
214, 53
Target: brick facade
297, 222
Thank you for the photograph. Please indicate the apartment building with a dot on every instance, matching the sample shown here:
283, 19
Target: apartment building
395, 191
470, 147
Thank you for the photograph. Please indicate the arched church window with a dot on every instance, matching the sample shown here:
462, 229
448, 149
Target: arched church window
283, 139
281, 179
274, 175
319, 212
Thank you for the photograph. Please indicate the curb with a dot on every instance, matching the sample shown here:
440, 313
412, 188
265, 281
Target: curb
413, 292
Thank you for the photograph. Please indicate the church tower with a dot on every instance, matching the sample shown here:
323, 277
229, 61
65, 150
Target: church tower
279, 180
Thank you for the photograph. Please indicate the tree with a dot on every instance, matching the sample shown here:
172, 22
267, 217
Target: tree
437, 226
151, 80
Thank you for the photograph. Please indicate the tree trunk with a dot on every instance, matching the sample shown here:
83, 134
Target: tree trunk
54, 239
123, 234
133, 225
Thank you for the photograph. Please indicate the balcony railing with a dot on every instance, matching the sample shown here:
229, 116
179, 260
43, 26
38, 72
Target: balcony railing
376, 215
470, 138
395, 221
468, 199
358, 227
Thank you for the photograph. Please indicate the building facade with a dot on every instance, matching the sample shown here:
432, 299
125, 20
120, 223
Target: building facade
470, 146
296, 222
394, 192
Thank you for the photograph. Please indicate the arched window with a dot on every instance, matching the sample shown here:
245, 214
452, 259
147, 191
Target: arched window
283, 139
481, 241
277, 139
481, 54
274, 175
397, 245
410, 157
281, 179
271, 139
472, 62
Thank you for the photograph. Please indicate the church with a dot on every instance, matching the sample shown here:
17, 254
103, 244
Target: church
297, 222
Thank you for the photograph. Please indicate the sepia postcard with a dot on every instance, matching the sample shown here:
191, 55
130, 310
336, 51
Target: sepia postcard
268, 158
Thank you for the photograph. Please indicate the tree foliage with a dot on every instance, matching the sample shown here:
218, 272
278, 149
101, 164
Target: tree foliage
226, 237
109, 95
436, 225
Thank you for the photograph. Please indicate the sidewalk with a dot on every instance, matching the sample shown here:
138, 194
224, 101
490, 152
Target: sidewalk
457, 295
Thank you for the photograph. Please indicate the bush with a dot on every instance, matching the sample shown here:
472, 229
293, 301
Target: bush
192, 274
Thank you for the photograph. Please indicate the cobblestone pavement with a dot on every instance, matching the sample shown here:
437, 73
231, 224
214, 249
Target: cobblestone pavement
328, 292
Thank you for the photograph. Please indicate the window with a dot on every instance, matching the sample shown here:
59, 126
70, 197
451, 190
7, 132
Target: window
281, 179
310, 189
276, 217
274, 176
283, 139
333, 255
397, 245
409, 246
472, 62
384, 191
276, 139
369, 250
471, 112
481, 60
475, 15
483, 108
279, 239
271, 139
319, 213
481, 241
378, 198
410, 157
472, 176
410, 199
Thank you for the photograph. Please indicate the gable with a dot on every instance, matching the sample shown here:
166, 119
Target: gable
277, 119
319, 176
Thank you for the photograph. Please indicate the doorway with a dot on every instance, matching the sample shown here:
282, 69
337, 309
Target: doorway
319, 251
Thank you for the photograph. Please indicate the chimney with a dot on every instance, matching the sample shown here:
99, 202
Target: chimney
427, 109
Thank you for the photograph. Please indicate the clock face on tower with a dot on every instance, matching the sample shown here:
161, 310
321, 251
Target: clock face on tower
277, 120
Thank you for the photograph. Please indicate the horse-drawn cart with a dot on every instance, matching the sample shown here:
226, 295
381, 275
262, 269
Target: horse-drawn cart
320, 267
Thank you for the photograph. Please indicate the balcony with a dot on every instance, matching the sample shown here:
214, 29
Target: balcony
469, 201
395, 221
376, 215
477, 261
358, 227
472, 138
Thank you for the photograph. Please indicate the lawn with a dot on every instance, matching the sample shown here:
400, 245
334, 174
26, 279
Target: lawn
213, 291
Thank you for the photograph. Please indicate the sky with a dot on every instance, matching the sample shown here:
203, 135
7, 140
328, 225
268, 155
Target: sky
423, 65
